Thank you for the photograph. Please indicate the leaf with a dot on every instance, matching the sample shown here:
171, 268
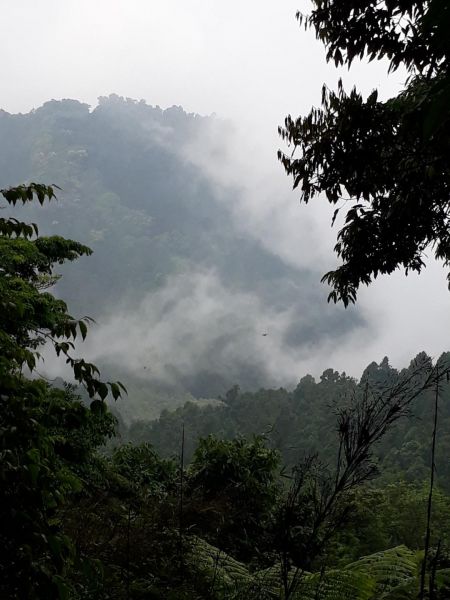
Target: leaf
97, 407
83, 329
63, 587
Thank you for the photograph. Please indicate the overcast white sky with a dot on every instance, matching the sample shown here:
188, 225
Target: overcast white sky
242, 59
246, 60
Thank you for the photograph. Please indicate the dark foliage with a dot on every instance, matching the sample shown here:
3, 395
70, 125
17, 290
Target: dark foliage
47, 436
385, 164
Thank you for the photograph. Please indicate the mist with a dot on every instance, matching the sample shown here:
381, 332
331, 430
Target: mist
260, 317
251, 65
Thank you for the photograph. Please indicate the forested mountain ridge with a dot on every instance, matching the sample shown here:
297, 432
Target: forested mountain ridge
302, 422
171, 266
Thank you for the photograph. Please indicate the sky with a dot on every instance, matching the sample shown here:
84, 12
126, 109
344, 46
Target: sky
249, 62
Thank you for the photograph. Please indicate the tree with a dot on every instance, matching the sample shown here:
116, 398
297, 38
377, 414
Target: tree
231, 490
385, 163
46, 434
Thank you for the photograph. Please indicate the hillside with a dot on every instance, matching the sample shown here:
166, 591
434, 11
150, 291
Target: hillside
181, 294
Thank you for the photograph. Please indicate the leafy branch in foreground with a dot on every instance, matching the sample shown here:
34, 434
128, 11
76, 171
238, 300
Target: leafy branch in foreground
385, 164
41, 428
30, 316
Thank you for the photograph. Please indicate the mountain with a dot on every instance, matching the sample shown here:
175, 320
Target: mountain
186, 301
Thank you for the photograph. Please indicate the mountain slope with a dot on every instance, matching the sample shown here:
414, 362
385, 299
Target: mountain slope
181, 294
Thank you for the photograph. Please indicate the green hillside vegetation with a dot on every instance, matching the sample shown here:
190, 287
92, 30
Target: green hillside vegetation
303, 421
157, 224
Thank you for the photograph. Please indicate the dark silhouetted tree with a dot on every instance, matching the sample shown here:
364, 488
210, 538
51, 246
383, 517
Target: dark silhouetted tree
385, 164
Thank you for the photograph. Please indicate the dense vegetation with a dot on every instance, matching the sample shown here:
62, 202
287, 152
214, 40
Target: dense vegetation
303, 421
338, 489
84, 517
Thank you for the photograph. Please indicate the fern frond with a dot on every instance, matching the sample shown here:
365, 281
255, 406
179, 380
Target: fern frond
335, 585
226, 577
389, 568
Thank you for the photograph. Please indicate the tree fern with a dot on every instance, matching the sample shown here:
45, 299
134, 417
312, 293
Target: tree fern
335, 585
389, 568
388, 575
225, 577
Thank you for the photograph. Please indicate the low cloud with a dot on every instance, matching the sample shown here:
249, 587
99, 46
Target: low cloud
201, 332
195, 325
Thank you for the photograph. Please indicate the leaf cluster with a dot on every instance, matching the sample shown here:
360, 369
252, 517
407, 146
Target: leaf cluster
384, 164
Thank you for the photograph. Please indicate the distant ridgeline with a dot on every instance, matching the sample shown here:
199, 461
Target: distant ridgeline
159, 225
303, 422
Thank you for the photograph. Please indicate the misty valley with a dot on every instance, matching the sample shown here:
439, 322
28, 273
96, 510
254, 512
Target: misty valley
183, 414
222, 472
